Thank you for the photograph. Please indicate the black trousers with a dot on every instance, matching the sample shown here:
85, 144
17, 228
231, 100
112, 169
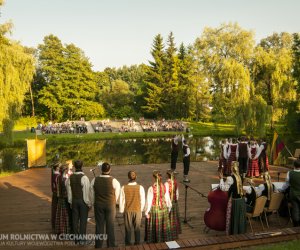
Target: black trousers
79, 217
105, 216
186, 165
243, 164
174, 156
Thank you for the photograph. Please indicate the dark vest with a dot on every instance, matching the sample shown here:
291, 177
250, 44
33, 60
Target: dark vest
174, 146
132, 198
104, 191
294, 183
243, 151
75, 181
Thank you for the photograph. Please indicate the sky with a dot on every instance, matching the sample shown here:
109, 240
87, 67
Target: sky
114, 33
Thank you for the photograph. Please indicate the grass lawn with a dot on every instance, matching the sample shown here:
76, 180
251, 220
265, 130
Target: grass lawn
290, 245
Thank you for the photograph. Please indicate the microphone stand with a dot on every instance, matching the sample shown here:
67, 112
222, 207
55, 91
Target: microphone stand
93, 170
185, 202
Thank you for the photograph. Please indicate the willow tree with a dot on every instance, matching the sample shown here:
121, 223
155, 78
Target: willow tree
16, 73
225, 54
272, 70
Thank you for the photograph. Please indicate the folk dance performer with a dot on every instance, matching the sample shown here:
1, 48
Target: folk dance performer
104, 193
171, 187
223, 157
293, 183
263, 161
242, 156
236, 207
78, 188
132, 203
174, 152
253, 153
158, 205
54, 180
62, 222
267, 188
231, 154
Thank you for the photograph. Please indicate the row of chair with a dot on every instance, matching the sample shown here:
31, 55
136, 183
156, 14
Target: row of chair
261, 209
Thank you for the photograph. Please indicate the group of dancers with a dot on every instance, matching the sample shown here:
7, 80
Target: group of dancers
74, 195
251, 154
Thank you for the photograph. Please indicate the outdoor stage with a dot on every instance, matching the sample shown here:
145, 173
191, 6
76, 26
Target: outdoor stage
25, 207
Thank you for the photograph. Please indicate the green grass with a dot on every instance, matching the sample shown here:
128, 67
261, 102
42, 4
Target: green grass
8, 173
291, 245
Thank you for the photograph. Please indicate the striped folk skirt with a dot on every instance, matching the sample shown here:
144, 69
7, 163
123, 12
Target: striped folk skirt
53, 209
253, 168
175, 221
62, 224
236, 216
157, 228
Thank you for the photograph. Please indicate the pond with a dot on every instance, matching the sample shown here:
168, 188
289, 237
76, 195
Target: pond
133, 151
128, 151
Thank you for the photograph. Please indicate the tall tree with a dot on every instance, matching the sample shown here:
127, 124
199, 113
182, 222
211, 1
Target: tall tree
155, 80
225, 54
16, 72
170, 85
272, 71
70, 89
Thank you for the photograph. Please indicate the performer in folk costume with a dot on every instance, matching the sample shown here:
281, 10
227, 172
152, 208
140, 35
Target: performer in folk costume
186, 159
62, 224
267, 188
251, 195
236, 207
263, 161
78, 187
231, 154
132, 203
253, 153
54, 180
158, 205
174, 152
293, 184
104, 193
223, 157
242, 156
171, 187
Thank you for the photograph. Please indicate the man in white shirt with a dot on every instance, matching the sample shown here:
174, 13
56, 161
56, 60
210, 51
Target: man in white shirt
132, 202
78, 186
104, 193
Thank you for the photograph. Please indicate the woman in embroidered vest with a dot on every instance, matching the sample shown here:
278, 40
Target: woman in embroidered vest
62, 222
158, 205
253, 153
267, 188
231, 154
236, 207
171, 187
